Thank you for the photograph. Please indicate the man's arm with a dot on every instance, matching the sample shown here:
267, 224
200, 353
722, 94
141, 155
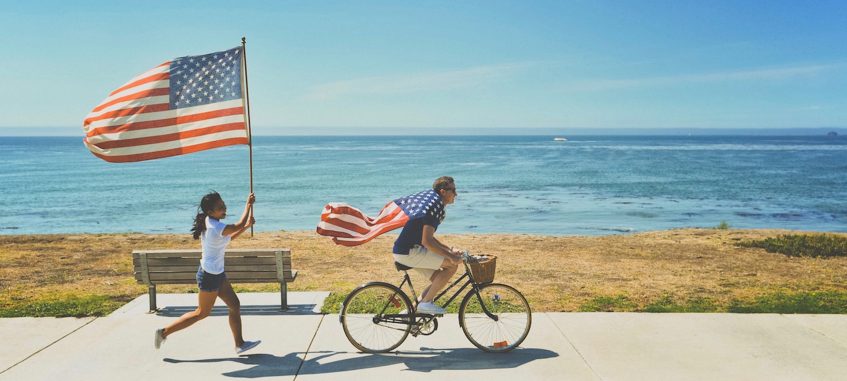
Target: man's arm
432, 244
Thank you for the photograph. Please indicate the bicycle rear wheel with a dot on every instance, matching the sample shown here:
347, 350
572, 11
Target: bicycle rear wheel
509, 321
376, 317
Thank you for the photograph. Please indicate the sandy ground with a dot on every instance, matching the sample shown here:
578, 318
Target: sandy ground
555, 273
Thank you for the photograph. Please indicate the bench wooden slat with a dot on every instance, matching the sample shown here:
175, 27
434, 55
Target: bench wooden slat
228, 254
233, 276
195, 252
193, 268
193, 273
153, 262
236, 281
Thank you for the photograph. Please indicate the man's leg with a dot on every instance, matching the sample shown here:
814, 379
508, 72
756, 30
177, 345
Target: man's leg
427, 287
439, 280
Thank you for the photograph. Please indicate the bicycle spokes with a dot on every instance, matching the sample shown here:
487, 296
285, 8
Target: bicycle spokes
376, 318
497, 318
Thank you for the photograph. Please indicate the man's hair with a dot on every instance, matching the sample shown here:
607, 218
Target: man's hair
442, 183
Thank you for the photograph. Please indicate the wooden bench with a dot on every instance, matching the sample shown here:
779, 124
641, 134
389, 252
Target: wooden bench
153, 267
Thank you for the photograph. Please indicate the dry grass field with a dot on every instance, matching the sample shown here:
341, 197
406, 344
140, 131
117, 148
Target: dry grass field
686, 270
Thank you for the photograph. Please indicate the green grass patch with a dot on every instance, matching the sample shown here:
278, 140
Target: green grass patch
803, 245
617, 303
63, 306
332, 303
722, 226
813, 302
668, 304
807, 302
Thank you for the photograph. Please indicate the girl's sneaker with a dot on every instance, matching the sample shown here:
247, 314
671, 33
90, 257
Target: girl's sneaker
160, 338
248, 345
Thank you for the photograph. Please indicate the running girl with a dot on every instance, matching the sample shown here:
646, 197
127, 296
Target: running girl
214, 236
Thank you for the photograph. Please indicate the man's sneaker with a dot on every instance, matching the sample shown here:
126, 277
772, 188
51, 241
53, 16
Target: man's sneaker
160, 338
430, 308
248, 345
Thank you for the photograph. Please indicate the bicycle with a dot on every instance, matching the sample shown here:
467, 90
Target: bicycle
378, 316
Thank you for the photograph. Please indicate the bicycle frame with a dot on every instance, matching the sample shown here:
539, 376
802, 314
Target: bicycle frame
469, 281
372, 310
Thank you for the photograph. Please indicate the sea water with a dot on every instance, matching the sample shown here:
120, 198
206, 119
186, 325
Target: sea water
588, 185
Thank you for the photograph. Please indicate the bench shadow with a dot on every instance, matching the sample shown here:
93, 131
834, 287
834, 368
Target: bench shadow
426, 360
254, 310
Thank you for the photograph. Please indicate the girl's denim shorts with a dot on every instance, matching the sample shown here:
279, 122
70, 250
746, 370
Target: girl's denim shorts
209, 282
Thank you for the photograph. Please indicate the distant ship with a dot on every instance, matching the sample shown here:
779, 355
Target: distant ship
832, 134
560, 139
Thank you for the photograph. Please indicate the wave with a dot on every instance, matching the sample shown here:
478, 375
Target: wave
619, 229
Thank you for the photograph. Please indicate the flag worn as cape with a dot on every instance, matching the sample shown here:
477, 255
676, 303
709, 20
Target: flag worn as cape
348, 226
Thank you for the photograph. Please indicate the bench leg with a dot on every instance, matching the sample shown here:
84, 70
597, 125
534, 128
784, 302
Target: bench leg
283, 295
151, 290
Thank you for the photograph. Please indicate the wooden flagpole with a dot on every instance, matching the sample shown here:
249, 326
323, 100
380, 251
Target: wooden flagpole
246, 97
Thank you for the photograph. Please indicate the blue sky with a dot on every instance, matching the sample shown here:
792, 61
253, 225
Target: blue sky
403, 66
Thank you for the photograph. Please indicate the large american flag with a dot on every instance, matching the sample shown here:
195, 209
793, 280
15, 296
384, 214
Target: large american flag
348, 226
189, 104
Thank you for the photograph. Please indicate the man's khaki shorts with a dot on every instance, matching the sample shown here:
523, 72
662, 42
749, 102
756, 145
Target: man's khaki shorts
421, 259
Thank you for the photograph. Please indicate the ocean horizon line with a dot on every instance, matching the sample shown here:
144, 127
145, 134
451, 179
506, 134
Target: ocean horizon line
33, 132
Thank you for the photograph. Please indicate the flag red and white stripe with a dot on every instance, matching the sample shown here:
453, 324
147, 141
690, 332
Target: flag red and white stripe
138, 121
348, 226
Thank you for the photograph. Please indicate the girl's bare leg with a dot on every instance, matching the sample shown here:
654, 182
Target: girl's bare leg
206, 300
227, 294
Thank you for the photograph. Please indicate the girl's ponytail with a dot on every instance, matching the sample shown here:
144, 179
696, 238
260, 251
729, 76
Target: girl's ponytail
199, 225
206, 204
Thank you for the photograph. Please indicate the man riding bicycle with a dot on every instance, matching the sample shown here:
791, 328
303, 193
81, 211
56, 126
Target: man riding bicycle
376, 316
418, 248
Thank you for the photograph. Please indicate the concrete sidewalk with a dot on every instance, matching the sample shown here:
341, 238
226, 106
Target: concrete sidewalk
303, 344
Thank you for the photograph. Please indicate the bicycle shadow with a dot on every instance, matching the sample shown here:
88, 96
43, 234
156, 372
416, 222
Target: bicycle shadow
426, 360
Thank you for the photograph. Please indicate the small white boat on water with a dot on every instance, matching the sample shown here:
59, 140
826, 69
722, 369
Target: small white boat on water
560, 139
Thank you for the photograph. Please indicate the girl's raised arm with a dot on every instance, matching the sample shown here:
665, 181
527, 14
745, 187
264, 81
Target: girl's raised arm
245, 220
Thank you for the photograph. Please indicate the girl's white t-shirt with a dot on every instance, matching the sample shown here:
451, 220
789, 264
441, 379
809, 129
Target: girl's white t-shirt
214, 246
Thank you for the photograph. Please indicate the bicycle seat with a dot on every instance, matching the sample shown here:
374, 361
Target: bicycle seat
401, 267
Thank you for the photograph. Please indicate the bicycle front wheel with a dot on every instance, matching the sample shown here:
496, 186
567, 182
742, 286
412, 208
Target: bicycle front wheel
376, 317
497, 319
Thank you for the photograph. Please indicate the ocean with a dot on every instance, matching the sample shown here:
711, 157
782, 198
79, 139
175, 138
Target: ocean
588, 185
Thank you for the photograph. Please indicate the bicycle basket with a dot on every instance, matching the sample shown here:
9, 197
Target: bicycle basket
483, 267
